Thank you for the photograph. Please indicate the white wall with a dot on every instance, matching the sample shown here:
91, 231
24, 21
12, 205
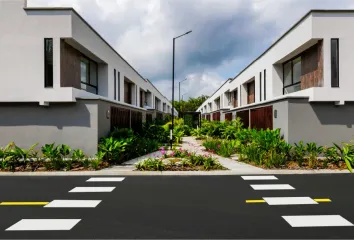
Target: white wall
22, 54
316, 26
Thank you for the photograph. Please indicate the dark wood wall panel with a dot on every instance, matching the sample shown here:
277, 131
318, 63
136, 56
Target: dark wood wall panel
70, 71
216, 116
234, 99
262, 118
148, 117
120, 117
228, 116
136, 121
208, 117
251, 91
312, 66
244, 117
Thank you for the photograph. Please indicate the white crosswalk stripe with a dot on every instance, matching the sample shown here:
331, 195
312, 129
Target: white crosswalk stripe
259, 178
289, 200
44, 225
105, 179
272, 187
317, 221
73, 204
92, 189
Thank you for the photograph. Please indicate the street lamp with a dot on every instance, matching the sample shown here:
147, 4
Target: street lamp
173, 84
179, 88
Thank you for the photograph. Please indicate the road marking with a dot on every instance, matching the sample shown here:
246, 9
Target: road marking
289, 200
272, 187
92, 189
23, 203
73, 204
255, 201
106, 179
259, 178
317, 221
322, 200
43, 225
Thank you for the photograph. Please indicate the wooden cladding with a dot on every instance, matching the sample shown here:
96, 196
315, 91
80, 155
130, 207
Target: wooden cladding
159, 116
216, 116
149, 117
70, 70
126, 118
234, 99
208, 117
312, 67
251, 92
228, 116
127, 92
244, 117
262, 118
136, 121
120, 117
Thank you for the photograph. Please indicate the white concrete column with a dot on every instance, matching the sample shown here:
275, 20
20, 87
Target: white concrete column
327, 62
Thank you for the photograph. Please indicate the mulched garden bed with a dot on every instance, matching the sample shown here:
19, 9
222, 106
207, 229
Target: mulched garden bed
292, 165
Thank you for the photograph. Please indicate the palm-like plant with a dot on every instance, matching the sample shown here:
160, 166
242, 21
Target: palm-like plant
346, 153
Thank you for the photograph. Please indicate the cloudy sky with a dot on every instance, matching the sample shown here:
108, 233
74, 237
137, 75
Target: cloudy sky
227, 34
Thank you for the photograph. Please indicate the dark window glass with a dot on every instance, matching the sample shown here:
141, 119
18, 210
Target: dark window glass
84, 65
115, 85
335, 62
48, 62
93, 73
265, 84
297, 70
260, 86
292, 75
118, 86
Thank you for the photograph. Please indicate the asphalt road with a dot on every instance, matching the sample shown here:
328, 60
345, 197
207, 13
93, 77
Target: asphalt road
195, 207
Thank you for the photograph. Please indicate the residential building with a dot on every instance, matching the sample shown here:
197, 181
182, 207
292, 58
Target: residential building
62, 82
303, 83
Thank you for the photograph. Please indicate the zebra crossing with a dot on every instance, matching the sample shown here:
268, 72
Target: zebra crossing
296, 220
65, 224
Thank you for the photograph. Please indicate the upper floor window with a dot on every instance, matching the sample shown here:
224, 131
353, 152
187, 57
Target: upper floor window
88, 75
48, 62
292, 75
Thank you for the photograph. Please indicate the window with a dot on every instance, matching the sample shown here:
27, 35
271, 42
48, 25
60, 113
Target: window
89, 75
250, 92
292, 76
118, 86
234, 99
264, 85
260, 86
335, 62
115, 84
48, 62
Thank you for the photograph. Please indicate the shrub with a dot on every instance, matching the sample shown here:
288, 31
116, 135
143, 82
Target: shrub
112, 149
150, 164
299, 153
313, 152
122, 133
346, 154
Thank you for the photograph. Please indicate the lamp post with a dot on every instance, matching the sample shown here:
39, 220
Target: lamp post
179, 89
173, 84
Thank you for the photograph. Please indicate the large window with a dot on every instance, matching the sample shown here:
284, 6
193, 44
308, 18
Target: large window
89, 75
335, 62
292, 76
48, 62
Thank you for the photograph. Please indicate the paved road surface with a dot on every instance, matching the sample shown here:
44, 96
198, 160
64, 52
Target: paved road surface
177, 207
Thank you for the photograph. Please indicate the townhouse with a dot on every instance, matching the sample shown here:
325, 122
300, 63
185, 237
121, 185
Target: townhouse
62, 82
303, 83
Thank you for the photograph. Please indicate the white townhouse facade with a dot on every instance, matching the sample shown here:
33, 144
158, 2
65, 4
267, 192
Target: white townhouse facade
62, 82
303, 83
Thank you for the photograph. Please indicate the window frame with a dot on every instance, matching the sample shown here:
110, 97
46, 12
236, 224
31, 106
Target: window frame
88, 72
292, 73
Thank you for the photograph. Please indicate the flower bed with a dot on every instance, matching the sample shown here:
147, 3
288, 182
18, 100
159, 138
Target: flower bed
179, 160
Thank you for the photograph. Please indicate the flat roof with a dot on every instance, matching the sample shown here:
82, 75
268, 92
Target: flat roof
73, 10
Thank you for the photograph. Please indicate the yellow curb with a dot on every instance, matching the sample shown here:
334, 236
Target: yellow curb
322, 200
255, 201
23, 203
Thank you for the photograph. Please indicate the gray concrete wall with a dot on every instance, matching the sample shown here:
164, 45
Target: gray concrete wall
281, 120
74, 124
323, 123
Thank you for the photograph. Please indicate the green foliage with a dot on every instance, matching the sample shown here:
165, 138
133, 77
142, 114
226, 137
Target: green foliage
313, 152
150, 164
122, 133
191, 105
155, 132
112, 148
299, 153
346, 153
95, 163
